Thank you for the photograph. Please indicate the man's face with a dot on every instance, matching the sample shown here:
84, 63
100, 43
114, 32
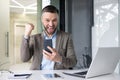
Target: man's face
50, 22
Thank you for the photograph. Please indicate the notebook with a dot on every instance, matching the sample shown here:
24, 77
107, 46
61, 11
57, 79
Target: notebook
20, 75
104, 62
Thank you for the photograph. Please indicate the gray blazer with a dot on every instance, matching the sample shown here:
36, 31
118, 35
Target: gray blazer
33, 47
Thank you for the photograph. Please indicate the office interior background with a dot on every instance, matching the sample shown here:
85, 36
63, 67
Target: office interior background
92, 23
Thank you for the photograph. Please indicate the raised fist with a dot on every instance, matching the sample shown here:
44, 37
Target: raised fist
28, 29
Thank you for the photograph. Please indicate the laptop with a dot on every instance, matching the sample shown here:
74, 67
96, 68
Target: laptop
104, 62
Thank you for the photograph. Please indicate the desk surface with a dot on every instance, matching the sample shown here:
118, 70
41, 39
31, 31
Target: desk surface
36, 75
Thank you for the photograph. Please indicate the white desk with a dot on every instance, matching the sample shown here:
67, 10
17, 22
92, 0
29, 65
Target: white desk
36, 75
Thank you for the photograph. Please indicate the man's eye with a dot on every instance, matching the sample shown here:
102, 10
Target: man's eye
47, 20
55, 20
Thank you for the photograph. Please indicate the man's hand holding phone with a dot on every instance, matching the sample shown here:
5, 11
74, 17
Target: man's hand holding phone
47, 42
51, 53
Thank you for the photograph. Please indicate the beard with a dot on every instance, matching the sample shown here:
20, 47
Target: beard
49, 31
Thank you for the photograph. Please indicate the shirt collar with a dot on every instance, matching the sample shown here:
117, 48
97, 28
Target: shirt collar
45, 35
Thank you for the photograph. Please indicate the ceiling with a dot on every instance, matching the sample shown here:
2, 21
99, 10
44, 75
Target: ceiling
23, 6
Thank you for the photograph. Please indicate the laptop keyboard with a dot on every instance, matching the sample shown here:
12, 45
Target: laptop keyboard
81, 73
82, 76
78, 74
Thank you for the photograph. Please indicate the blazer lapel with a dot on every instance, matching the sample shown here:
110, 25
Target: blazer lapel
41, 46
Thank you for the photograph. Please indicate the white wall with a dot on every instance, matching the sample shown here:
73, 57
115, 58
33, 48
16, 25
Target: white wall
105, 32
4, 28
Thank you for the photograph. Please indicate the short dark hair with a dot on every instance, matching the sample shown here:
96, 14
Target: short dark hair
50, 8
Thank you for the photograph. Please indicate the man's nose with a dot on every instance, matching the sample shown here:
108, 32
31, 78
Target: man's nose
51, 23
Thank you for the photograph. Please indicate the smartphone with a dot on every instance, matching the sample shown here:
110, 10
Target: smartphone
47, 42
52, 75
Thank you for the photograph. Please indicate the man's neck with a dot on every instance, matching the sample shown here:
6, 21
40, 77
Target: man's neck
49, 35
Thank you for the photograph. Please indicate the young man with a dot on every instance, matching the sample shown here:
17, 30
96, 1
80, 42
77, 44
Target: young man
62, 55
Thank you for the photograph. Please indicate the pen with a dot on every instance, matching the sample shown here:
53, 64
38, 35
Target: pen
22, 74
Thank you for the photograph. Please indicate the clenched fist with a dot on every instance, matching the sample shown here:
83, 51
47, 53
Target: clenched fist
28, 29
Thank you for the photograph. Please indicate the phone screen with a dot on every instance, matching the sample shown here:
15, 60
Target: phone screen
47, 42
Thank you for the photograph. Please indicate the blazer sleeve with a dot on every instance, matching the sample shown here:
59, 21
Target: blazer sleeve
26, 49
65, 48
69, 59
